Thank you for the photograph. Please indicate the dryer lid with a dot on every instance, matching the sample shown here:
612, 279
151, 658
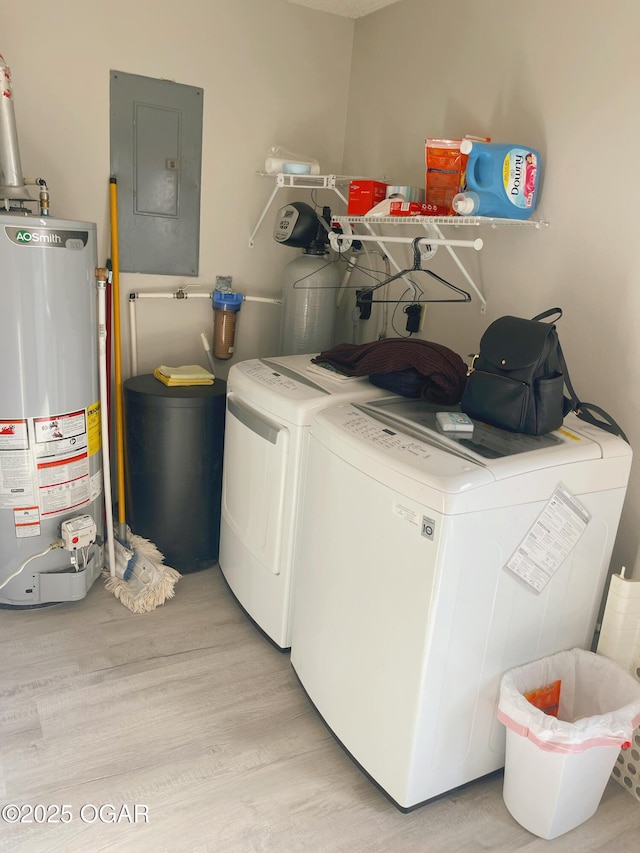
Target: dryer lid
288, 390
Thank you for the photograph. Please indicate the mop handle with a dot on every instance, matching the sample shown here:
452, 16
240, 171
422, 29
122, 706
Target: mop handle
101, 277
115, 262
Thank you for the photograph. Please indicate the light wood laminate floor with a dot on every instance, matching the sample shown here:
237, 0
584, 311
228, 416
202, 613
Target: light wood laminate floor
191, 713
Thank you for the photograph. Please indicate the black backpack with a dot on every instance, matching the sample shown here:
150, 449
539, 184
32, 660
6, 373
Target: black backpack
517, 380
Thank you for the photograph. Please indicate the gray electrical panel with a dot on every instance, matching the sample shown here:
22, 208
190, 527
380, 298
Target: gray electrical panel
156, 157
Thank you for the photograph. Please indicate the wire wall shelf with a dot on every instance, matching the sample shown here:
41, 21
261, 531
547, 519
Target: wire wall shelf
455, 221
431, 225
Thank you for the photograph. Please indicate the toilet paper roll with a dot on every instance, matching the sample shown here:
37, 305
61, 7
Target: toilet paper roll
275, 165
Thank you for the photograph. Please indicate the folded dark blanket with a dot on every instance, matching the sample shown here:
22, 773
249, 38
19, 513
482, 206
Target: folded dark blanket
444, 372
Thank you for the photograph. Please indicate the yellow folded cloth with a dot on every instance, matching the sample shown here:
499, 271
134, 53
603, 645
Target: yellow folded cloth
189, 374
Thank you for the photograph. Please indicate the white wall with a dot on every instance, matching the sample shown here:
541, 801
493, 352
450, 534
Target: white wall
264, 70
559, 77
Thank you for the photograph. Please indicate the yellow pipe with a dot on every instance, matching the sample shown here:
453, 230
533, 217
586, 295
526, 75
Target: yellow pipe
115, 263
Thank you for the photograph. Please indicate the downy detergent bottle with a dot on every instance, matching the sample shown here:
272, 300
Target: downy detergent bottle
501, 180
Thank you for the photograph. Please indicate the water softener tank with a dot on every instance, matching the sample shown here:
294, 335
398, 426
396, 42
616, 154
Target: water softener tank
308, 305
311, 281
50, 452
174, 439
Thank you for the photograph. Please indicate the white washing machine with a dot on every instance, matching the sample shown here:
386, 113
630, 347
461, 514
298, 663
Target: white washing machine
270, 405
428, 566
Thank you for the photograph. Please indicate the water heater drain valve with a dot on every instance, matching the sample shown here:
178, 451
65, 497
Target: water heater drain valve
78, 532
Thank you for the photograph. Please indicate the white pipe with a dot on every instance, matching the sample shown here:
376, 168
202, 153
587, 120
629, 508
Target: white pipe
133, 338
10, 166
353, 260
148, 294
207, 349
271, 300
179, 294
104, 418
384, 305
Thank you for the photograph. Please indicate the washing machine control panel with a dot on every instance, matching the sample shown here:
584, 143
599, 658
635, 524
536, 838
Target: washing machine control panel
386, 436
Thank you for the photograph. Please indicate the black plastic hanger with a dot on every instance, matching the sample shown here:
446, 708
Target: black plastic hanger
417, 267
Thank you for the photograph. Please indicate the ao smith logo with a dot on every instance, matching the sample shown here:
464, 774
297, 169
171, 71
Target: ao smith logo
23, 236
47, 237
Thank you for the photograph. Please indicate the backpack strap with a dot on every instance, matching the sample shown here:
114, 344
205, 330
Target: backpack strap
583, 410
573, 403
607, 423
548, 313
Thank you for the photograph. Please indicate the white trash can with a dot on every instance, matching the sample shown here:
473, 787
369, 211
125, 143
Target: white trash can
556, 768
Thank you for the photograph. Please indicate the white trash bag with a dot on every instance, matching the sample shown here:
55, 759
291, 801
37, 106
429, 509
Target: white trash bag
556, 769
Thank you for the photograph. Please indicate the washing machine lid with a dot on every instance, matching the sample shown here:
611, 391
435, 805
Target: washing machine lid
503, 453
395, 441
292, 389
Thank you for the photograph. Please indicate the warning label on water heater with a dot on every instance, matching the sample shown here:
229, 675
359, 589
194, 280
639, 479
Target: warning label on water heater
16, 473
68, 430
63, 483
62, 462
44, 463
26, 521
14, 435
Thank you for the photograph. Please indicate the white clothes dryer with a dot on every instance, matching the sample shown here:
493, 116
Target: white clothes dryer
428, 566
270, 405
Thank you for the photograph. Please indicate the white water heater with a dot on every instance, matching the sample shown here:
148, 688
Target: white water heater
50, 445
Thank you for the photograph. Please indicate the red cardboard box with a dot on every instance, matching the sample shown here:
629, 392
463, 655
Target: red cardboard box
412, 208
363, 195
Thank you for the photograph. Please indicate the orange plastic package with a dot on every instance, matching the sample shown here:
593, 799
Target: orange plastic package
547, 698
445, 173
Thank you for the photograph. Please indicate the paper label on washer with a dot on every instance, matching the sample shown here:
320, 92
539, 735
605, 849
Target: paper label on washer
407, 513
550, 540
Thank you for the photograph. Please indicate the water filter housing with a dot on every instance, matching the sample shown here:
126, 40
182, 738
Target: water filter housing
225, 309
501, 180
50, 459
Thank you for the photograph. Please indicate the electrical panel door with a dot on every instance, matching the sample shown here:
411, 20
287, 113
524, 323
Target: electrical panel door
156, 155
